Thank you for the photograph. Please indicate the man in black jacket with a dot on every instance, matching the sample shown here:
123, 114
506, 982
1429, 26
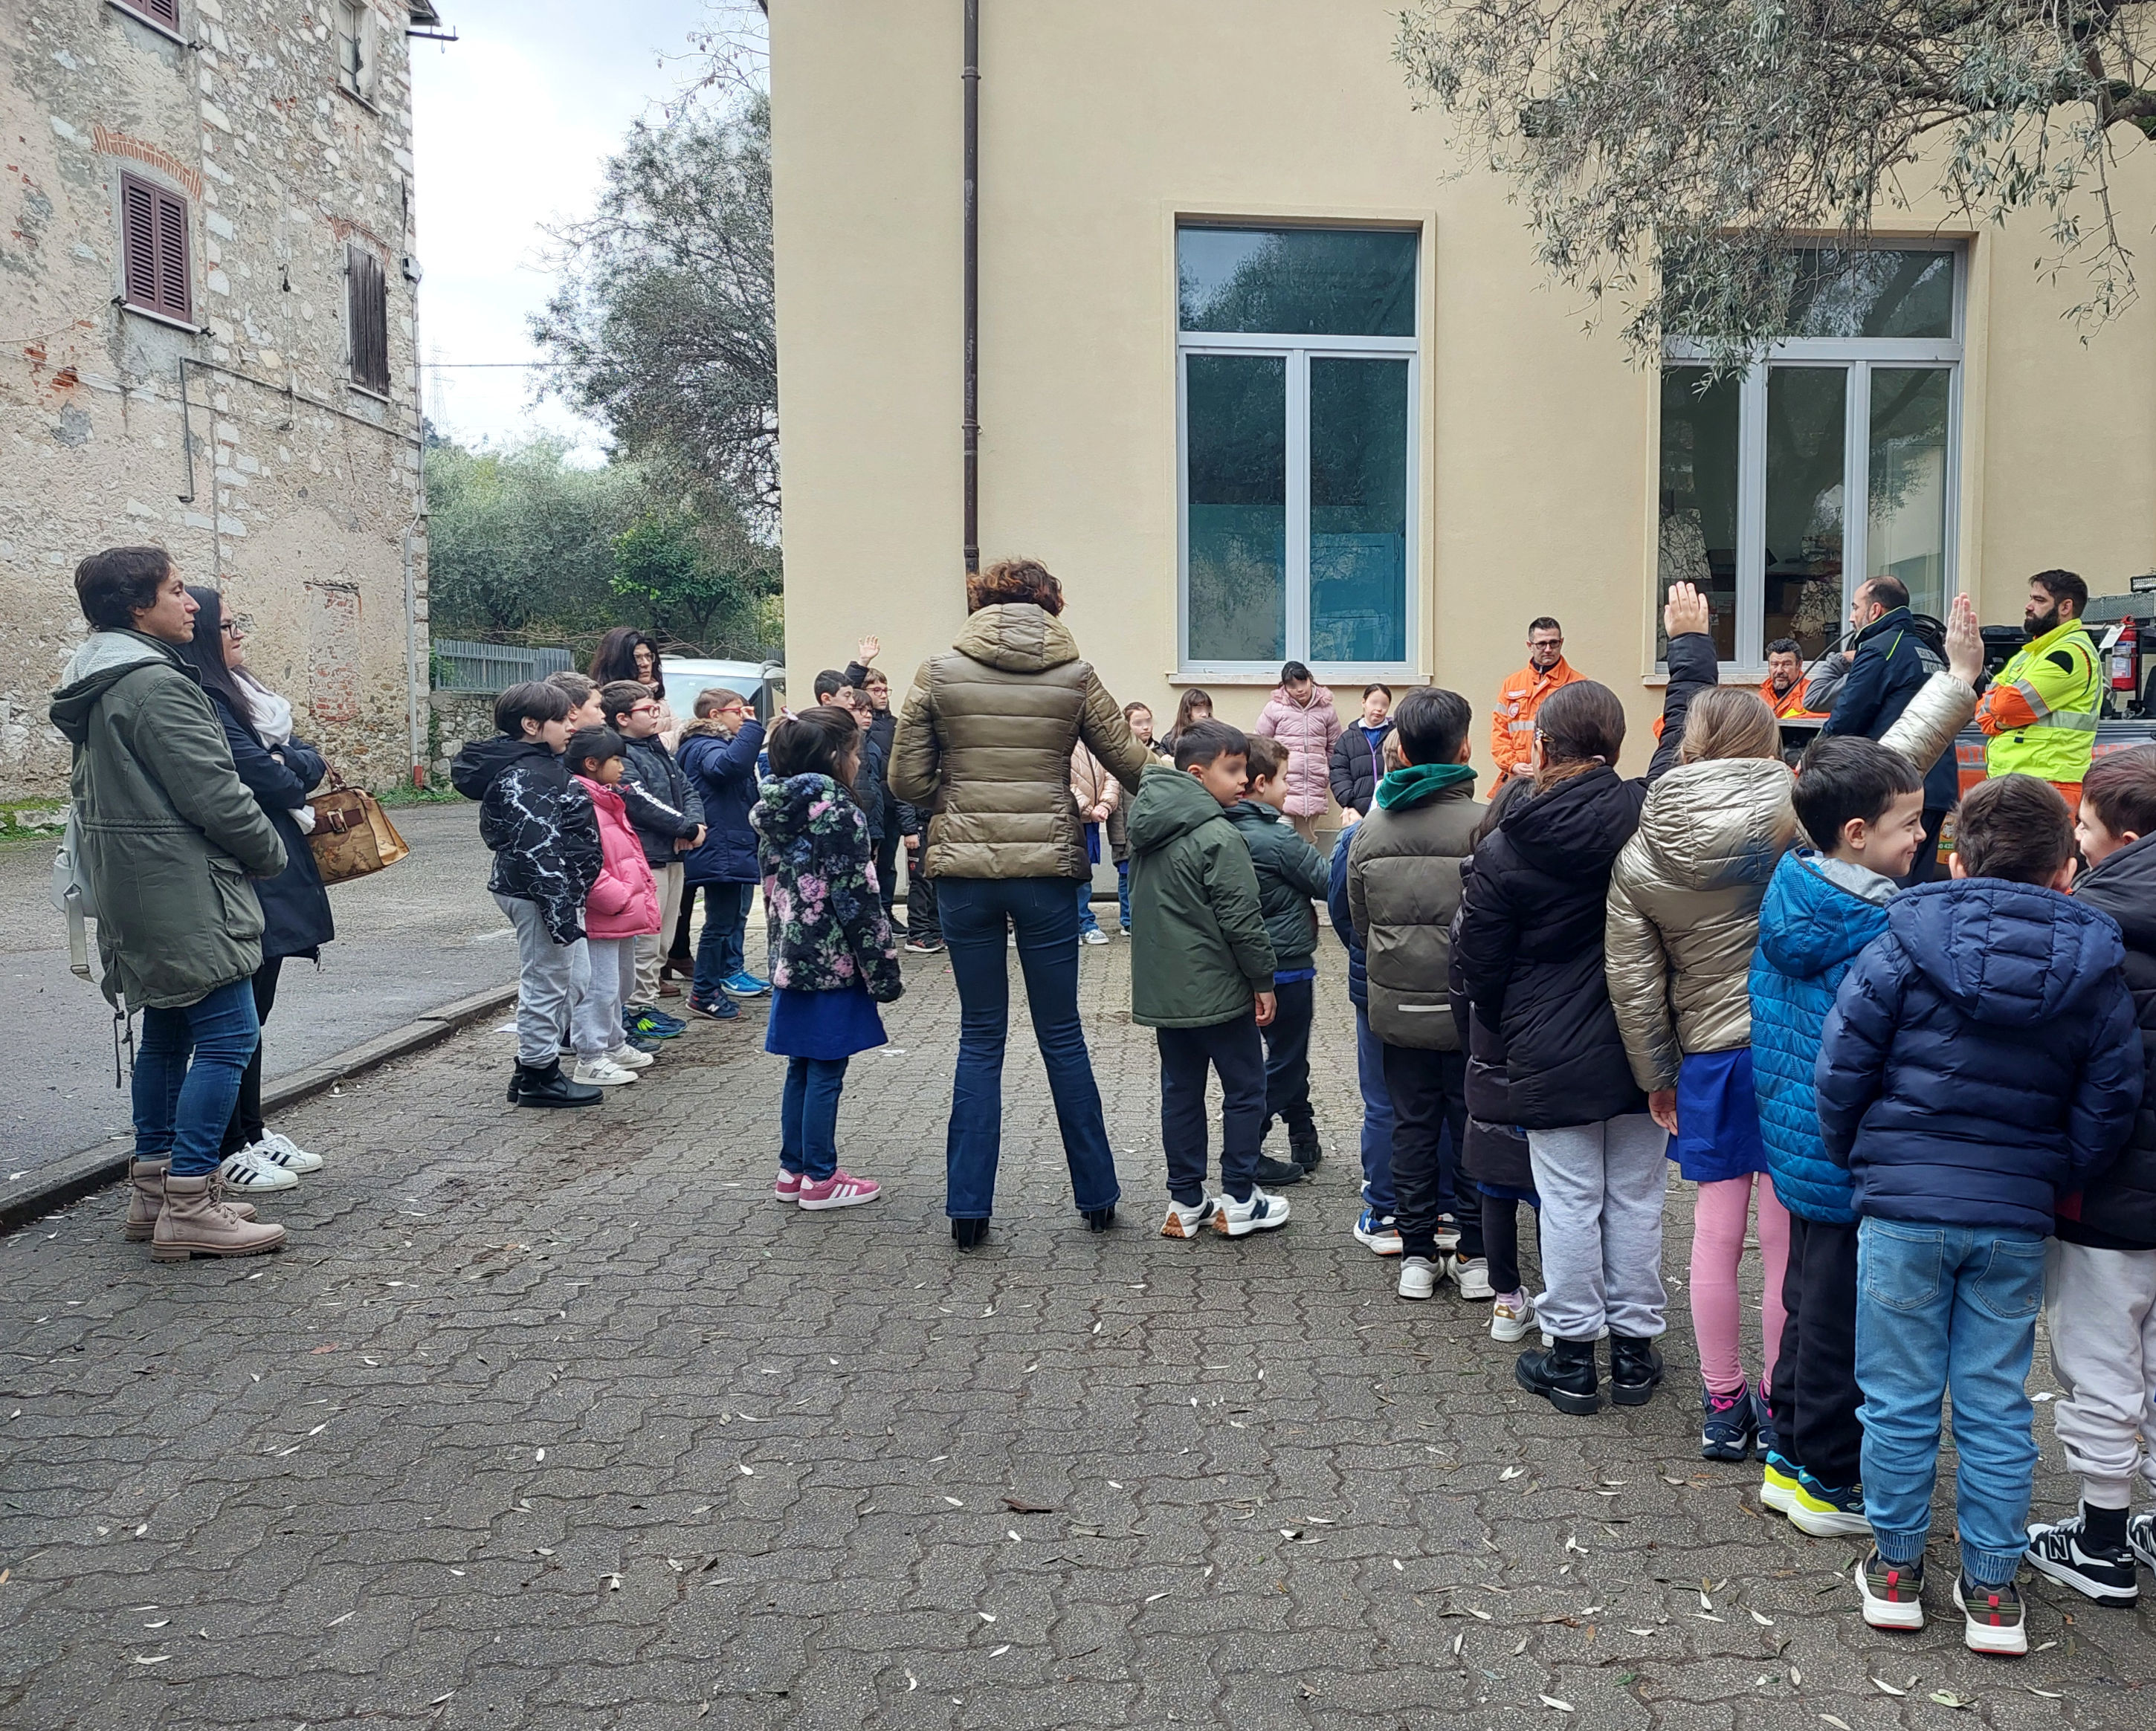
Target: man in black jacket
1892, 659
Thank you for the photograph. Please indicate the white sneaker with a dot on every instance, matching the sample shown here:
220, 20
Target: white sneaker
277, 1146
1095, 936
1260, 1214
1471, 1275
250, 1170
1448, 1234
601, 1073
627, 1058
1512, 1316
1183, 1222
1419, 1276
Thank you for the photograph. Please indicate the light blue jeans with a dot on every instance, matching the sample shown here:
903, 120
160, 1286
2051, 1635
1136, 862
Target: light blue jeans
1949, 1310
1377, 1117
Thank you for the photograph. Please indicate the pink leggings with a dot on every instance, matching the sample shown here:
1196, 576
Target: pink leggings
1718, 1243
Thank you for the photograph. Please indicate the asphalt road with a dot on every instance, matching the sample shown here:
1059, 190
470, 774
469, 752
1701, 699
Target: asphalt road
411, 938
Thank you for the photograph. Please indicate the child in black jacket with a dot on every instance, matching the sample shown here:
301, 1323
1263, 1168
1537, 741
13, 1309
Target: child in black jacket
668, 812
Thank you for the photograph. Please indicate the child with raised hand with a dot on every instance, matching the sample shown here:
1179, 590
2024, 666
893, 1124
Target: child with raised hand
621, 907
2100, 1271
1202, 977
1980, 1062
1290, 874
833, 957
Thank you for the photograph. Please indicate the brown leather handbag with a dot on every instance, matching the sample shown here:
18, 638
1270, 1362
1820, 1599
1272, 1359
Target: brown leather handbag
352, 835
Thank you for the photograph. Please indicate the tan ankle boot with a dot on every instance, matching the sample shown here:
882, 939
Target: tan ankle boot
146, 1199
195, 1221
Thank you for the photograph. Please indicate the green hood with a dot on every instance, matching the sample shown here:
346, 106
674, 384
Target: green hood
1170, 805
1416, 782
105, 658
1018, 638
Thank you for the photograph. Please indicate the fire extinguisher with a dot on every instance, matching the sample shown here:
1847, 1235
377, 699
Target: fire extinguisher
2126, 658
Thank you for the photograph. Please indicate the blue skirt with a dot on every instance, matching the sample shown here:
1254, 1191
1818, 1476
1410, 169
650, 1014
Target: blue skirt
1718, 1117
824, 1025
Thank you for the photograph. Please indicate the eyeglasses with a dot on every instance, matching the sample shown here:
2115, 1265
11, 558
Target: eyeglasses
643, 710
230, 628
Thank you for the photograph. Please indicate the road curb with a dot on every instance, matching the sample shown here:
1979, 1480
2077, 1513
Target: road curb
75, 1175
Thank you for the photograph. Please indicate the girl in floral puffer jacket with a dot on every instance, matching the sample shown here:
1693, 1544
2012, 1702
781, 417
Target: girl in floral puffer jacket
832, 956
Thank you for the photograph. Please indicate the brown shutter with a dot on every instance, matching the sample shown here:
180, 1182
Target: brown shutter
165, 12
366, 292
153, 235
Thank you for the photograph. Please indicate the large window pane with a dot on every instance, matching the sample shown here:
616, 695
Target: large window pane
1236, 414
1358, 509
1873, 292
1334, 282
1908, 516
1806, 496
1699, 493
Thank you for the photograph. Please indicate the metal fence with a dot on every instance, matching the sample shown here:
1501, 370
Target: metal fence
492, 667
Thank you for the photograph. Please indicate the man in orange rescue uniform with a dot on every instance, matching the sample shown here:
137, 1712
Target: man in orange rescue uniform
1785, 685
1512, 726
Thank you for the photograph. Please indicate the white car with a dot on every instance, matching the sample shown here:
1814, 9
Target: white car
762, 683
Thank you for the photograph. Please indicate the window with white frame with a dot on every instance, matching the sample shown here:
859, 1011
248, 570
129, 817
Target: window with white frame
1832, 461
355, 49
1297, 373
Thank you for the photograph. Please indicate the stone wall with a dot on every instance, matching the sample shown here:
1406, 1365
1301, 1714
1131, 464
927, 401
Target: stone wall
460, 717
276, 479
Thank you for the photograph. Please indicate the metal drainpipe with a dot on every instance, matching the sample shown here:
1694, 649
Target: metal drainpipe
413, 702
972, 80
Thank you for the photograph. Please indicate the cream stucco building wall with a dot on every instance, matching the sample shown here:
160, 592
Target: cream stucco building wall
1102, 122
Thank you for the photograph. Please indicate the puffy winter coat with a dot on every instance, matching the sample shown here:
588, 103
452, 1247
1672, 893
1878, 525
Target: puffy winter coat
623, 900
724, 772
1981, 1059
296, 908
2118, 1210
1684, 900
1307, 729
1199, 950
1402, 889
663, 802
1357, 766
826, 920
1819, 915
984, 744
1891, 662
538, 820
169, 832
1290, 877
1495, 1151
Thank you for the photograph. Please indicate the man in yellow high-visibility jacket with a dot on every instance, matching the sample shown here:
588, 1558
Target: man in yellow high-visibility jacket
2040, 711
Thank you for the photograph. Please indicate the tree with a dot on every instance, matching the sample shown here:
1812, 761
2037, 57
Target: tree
1672, 153
691, 572
663, 327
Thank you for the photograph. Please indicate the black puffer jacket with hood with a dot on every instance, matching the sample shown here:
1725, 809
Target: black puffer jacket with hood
540, 825
2118, 1210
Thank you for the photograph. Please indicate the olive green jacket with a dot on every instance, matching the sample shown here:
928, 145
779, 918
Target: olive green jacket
1200, 953
169, 832
984, 742
1403, 887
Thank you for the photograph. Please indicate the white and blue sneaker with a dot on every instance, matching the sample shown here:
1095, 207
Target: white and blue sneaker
1262, 1213
746, 984
1376, 1232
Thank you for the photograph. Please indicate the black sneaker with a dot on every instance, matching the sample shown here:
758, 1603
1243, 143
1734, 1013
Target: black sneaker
2141, 1538
1893, 1593
1277, 1174
1993, 1618
1305, 1149
2062, 1550
924, 946
1727, 1425
720, 1008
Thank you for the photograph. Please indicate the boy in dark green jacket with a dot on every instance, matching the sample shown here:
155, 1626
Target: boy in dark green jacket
1290, 872
1202, 977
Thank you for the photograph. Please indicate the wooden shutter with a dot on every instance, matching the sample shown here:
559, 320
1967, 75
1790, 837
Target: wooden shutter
165, 12
153, 228
367, 298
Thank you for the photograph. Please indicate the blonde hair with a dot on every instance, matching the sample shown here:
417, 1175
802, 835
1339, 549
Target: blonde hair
1726, 722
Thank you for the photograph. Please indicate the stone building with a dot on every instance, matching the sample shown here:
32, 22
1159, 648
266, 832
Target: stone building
208, 341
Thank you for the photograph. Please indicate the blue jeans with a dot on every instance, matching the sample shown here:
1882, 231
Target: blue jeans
181, 1107
809, 1116
1949, 1310
719, 951
1377, 1117
975, 912
1086, 922
1123, 891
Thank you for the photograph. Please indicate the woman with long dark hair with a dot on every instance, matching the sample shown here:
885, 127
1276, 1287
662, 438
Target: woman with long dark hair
280, 769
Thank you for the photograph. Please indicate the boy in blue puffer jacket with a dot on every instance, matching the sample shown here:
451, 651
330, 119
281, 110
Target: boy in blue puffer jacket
1863, 807
1981, 1060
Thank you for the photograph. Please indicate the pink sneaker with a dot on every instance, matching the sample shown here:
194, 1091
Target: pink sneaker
841, 1189
787, 1187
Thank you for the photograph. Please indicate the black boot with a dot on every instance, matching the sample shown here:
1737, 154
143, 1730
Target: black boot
1634, 1368
1101, 1219
550, 1087
1302, 1145
966, 1234
1565, 1372
1276, 1175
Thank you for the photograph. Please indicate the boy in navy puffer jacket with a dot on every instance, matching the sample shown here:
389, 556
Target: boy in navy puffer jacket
1863, 807
1981, 1060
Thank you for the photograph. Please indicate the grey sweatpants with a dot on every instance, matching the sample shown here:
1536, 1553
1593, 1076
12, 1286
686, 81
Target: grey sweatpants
2100, 1310
1601, 1186
550, 978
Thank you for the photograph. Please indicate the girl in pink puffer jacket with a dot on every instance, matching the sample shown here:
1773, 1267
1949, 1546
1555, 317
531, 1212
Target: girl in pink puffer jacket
1300, 714
623, 906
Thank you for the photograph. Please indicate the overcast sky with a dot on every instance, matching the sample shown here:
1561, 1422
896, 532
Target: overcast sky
515, 122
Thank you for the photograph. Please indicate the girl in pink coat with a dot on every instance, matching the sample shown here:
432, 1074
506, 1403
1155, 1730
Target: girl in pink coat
1300, 714
623, 906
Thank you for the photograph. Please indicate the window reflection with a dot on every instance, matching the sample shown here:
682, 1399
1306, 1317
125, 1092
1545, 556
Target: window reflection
1699, 494
1338, 282
1235, 407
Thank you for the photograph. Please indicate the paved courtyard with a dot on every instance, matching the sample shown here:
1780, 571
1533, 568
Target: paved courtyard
559, 1420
